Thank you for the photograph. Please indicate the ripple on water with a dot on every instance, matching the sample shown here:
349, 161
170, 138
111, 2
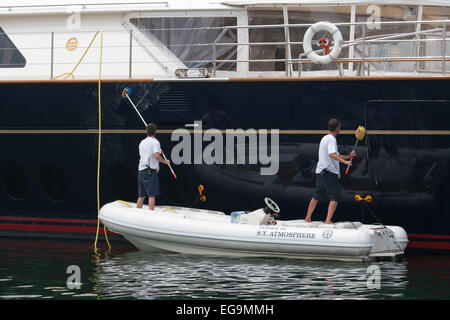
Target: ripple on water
21, 296
131, 274
169, 276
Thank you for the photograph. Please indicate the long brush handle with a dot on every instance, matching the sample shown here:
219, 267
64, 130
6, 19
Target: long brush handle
164, 156
139, 114
170, 167
351, 157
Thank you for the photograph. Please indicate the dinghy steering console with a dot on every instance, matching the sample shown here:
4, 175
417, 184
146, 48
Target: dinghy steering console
271, 210
271, 207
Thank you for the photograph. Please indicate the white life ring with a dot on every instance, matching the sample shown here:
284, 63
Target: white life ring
337, 39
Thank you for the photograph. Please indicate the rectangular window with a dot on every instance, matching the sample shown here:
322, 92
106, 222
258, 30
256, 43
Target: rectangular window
10, 56
191, 39
399, 47
264, 41
433, 47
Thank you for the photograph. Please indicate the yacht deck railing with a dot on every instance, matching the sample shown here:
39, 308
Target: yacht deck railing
364, 42
123, 52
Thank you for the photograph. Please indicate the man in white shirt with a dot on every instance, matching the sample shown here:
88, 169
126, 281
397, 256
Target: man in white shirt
150, 157
328, 173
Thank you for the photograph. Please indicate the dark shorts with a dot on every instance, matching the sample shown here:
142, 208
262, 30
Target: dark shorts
148, 183
327, 187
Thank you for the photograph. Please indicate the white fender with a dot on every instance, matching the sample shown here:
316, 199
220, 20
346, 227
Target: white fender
337, 38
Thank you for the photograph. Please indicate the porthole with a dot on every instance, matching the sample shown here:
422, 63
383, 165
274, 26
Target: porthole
14, 181
53, 181
123, 182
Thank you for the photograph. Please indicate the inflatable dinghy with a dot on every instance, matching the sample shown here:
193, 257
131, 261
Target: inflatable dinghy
249, 234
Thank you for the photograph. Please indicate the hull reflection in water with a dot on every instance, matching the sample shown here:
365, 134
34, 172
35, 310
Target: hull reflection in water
125, 273
175, 276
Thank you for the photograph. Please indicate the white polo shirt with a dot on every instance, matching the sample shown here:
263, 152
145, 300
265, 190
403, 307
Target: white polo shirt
328, 145
147, 149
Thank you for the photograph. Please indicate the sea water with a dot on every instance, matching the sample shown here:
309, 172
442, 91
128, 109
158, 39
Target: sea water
57, 269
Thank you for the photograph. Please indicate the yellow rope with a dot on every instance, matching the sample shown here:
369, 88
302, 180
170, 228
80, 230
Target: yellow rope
121, 201
70, 74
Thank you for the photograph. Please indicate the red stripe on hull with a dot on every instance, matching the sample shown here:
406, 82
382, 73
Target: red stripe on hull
92, 229
428, 236
429, 245
49, 228
47, 220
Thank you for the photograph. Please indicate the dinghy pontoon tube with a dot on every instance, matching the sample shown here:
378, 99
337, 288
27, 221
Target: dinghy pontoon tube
253, 234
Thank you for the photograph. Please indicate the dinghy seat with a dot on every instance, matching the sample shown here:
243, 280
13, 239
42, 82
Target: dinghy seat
317, 224
299, 223
341, 225
347, 225
255, 217
258, 217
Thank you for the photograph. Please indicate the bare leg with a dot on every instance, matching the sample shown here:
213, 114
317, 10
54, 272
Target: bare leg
140, 202
151, 203
331, 209
311, 207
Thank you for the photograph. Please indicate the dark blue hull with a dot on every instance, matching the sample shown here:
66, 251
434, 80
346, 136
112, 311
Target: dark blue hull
49, 140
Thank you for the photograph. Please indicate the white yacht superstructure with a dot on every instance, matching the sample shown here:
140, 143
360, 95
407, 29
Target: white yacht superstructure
220, 39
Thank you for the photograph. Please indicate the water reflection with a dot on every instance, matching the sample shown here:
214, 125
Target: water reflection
37, 269
141, 275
